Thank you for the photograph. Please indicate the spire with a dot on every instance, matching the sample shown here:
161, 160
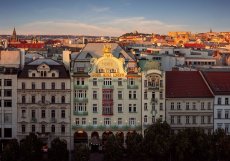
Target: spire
14, 35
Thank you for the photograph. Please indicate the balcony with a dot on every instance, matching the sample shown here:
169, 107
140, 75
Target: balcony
53, 120
33, 120
153, 87
80, 86
108, 86
81, 99
80, 113
107, 127
107, 113
132, 86
154, 100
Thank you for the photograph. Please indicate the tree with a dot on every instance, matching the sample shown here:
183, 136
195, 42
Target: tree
11, 151
113, 149
157, 141
81, 153
58, 150
31, 148
134, 144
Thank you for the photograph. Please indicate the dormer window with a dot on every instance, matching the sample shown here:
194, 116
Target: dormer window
53, 74
33, 74
43, 73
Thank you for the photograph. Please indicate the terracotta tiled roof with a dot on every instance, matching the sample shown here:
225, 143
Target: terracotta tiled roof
186, 84
218, 81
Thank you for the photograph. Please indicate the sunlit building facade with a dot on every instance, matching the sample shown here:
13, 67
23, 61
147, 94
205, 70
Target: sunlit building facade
106, 94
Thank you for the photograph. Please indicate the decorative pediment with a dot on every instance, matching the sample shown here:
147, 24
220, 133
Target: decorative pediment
43, 67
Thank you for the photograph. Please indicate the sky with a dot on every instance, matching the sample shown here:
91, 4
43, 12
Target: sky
113, 17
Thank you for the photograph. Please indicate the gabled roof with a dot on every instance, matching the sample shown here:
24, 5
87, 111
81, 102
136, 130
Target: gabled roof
96, 51
218, 81
186, 84
54, 65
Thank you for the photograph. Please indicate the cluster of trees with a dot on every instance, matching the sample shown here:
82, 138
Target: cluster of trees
159, 144
30, 149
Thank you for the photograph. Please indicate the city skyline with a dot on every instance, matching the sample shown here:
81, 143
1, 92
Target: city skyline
112, 18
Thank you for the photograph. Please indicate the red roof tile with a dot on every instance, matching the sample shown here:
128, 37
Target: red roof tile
186, 84
219, 82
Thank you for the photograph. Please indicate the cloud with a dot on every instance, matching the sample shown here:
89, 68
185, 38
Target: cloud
99, 9
110, 27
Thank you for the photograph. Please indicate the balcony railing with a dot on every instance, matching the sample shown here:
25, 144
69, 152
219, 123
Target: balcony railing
132, 86
53, 120
33, 120
150, 87
107, 127
154, 100
80, 86
108, 86
80, 113
81, 99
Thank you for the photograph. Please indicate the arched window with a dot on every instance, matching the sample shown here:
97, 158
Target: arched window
145, 119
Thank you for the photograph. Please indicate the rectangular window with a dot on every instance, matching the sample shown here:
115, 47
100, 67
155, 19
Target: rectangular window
7, 93
178, 119
172, 105
33, 86
43, 113
43, 85
8, 118
63, 114
202, 105
119, 81
130, 94
7, 103
23, 99
219, 114
131, 81
178, 106
94, 121
53, 85
33, 114
187, 105
187, 120
83, 121
119, 121
194, 105
94, 94
23, 128
8, 132
194, 119
161, 106
209, 105
94, 108
134, 94
226, 101
202, 120
43, 99
107, 121
145, 95
23, 113
119, 107
120, 95
107, 81
94, 81
161, 95
23, 85
226, 114
63, 85
33, 99
7, 82
219, 101
145, 107
209, 120
172, 120
132, 121
77, 121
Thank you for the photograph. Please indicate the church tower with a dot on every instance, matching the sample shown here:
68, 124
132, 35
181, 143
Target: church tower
14, 36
